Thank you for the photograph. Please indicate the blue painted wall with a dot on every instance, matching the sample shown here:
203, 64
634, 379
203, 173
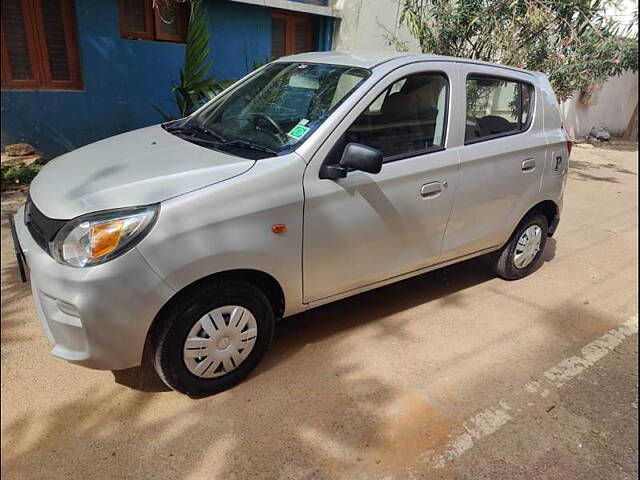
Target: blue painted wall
122, 77
240, 34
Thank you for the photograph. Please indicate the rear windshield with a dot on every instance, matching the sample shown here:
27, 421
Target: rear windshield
276, 110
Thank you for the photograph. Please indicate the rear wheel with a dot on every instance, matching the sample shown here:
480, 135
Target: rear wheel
213, 337
523, 252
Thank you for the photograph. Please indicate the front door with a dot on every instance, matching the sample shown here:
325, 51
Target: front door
366, 228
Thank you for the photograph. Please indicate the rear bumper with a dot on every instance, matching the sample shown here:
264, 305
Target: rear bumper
99, 316
554, 225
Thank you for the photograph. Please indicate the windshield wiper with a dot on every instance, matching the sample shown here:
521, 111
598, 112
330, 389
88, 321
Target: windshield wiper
192, 127
219, 142
248, 145
206, 131
195, 139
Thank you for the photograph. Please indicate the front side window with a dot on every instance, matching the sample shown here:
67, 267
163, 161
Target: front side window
496, 107
274, 111
407, 118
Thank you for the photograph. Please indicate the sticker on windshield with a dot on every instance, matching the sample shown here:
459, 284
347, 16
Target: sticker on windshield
298, 131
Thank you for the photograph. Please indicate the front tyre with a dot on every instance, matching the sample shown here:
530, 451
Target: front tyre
213, 337
523, 252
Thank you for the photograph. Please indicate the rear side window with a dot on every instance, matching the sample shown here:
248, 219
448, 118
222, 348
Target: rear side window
406, 119
496, 107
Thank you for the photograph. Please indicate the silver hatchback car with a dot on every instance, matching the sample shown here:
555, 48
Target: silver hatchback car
316, 177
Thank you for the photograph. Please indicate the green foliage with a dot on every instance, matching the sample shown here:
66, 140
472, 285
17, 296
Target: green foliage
19, 176
255, 63
572, 41
196, 85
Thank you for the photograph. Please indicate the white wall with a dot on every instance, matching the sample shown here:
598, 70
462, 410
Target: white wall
362, 25
613, 109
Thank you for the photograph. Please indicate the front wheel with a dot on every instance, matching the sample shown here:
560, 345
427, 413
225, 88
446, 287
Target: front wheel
523, 252
213, 337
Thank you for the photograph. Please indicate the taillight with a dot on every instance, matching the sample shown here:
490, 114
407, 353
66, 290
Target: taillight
569, 140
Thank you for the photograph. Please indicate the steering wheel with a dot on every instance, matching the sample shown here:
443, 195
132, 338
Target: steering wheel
279, 134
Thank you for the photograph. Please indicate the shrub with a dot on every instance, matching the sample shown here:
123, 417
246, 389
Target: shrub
16, 177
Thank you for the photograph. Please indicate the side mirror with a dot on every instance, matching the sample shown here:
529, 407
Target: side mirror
356, 157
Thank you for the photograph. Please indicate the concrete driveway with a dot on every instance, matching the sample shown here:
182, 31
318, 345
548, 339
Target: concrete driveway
454, 374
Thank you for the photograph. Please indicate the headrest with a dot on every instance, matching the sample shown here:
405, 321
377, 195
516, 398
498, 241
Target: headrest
398, 105
494, 124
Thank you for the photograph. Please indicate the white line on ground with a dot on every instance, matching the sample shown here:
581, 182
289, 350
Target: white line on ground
493, 418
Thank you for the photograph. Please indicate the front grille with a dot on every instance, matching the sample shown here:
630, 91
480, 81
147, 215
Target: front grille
41, 227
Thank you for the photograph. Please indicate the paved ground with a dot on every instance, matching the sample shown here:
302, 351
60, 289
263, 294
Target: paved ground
454, 374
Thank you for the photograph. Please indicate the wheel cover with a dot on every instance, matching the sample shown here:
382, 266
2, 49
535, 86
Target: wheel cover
528, 246
220, 341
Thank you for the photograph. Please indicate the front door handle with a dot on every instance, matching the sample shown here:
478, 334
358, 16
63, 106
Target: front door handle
528, 165
431, 190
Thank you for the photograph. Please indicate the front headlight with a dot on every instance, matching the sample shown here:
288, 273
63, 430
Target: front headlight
99, 237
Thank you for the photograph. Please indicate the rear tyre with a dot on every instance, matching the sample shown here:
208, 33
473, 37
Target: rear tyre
213, 337
522, 254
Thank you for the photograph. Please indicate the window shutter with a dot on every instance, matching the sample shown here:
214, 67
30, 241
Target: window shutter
15, 44
56, 43
278, 37
55, 36
167, 18
39, 48
302, 36
171, 20
134, 15
290, 33
136, 19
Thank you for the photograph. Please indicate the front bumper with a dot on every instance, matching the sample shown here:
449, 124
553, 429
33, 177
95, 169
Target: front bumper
98, 316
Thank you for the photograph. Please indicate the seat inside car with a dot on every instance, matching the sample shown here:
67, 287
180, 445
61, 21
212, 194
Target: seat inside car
492, 124
406, 120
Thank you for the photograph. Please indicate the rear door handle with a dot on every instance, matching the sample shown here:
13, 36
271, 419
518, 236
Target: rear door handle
528, 165
431, 190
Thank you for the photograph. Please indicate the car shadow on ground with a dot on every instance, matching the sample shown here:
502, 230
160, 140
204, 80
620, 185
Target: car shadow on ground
15, 293
298, 416
292, 333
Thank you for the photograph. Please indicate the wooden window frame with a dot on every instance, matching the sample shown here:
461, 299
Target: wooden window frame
291, 19
152, 25
148, 33
38, 52
182, 19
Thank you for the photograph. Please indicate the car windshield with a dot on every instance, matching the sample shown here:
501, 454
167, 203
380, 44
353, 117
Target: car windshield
272, 112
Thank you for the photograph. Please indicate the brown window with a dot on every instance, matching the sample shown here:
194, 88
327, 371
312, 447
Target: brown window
290, 33
167, 20
39, 48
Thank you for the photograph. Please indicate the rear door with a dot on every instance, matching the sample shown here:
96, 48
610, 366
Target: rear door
366, 228
501, 160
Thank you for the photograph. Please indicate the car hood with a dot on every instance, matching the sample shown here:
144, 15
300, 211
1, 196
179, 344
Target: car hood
136, 168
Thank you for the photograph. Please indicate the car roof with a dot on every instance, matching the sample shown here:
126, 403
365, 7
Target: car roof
350, 59
373, 59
